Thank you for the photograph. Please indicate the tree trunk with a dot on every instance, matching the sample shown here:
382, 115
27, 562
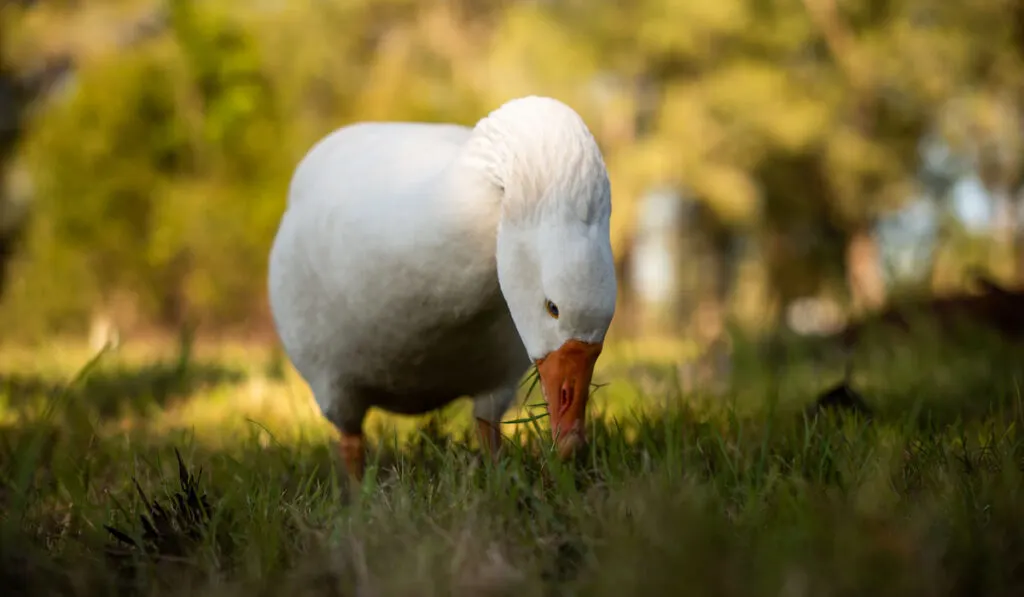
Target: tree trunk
1004, 220
1018, 236
102, 330
626, 316
864, 271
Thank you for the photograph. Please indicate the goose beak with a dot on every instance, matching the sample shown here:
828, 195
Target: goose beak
565, 376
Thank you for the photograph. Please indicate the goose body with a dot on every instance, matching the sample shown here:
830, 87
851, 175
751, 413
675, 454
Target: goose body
419, 263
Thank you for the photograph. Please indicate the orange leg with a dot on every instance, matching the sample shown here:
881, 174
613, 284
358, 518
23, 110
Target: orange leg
353, 455
490, 437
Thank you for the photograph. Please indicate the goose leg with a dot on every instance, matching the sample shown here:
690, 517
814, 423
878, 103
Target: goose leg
488, 410
347, 413
353, 454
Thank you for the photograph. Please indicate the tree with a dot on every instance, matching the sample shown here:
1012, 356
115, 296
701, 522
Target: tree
161, 172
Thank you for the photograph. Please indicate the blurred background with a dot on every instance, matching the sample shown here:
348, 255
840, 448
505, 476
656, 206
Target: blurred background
778, 165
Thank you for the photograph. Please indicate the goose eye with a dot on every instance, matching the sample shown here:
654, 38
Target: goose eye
552, 309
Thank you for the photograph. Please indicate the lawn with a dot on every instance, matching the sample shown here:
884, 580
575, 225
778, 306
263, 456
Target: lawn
734, 493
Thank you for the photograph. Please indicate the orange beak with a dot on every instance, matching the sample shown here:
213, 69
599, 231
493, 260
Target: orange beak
565, 376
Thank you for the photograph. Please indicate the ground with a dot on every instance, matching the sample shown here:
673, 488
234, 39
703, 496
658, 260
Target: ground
734, 493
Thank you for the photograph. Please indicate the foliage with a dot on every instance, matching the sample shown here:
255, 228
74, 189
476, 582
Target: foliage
160, 170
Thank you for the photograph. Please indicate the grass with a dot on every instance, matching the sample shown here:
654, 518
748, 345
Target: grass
210, 473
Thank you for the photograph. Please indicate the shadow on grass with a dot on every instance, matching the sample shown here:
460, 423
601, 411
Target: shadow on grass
923, 374
111, 391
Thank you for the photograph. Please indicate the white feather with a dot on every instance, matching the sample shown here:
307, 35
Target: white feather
413, 261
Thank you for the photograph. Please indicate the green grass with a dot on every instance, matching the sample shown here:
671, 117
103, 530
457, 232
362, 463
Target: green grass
701, 494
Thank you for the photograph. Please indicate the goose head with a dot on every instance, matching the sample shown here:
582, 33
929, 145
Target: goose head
554, 256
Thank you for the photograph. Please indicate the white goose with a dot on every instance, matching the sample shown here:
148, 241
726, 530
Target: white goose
419, 263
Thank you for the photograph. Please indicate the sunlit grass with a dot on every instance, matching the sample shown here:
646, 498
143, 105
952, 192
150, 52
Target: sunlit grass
251, 399
734, 493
